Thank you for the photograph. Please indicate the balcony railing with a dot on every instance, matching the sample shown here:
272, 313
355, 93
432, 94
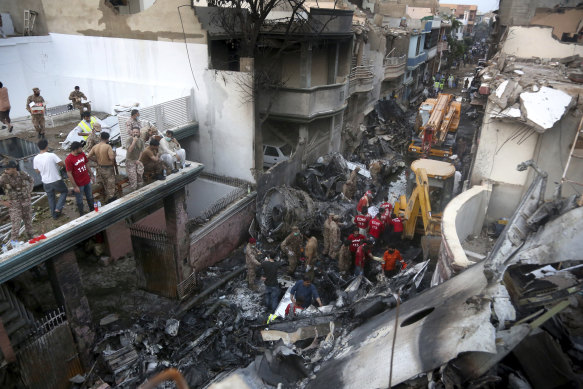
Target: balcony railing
416, 61
394, 66
432, 52
304, 104
360, 79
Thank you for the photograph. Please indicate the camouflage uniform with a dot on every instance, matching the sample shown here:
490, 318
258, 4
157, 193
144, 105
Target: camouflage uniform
106, 176
38, 119
76, 97
349, 188
344, 258
326, 234
17, 189
291, 246
311, 251
252, 263
91, 141
375, 172
333, 239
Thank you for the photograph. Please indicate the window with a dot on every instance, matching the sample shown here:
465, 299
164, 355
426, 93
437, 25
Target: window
286, 150
271, 151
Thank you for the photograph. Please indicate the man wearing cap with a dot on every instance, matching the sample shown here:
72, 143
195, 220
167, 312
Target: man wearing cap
345, 257
93, 138
251, 262
349, 188
134, 168
133, 123
334, 238
291, 245
35, 104
17, 187
326, 234
76, 96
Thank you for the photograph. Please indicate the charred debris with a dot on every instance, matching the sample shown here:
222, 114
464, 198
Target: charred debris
500, 323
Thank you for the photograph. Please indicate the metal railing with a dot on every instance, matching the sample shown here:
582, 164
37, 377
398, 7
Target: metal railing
361, 72
165, 116
395, 61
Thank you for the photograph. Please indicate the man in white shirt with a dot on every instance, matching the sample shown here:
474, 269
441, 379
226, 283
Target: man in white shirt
170, 152
46, 163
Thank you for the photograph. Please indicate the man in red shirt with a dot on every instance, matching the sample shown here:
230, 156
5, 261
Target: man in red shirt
397, 224
376, 228
362, 221
362, 254
78, 172
355, 239
386, 205
364, 201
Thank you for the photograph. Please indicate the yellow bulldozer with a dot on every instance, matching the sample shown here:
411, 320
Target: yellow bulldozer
436, 127
430, 188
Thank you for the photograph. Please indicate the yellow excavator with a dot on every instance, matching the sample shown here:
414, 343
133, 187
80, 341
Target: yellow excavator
437, 123
430, 188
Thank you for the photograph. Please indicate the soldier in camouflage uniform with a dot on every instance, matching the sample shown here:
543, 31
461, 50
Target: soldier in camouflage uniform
76, 97
38, 117
291, 246
334, 238
93, 138
311, 252
105, 158
134, 168
251, 262
345, 257
349, 188
326, 234
17, 187
375, 169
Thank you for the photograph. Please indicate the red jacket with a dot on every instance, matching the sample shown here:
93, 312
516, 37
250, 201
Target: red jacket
361, 255
386, 218
386, 205
363, 202
376, 228
397, 224
355, 241
362, 221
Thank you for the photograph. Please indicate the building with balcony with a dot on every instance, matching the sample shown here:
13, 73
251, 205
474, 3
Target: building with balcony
465, 13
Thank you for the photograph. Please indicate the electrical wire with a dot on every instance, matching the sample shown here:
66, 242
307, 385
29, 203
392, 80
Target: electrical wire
185, 43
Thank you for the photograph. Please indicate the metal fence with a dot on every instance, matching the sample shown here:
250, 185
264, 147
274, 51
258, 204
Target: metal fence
49, 358
165, 116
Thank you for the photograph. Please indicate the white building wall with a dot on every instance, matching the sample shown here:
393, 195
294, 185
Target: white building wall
117, 70
526, 42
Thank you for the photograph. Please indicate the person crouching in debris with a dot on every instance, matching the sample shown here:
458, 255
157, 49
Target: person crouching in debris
294, 308
251, 253
291, 245
306, 291
349, 188
364, 201
105, 156
17, 188
362, 254
311, 251
390, 259
272, 292
345, 257
376, 229
375, 169
362, 221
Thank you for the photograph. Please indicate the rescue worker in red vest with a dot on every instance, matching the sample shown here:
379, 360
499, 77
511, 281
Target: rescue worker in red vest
397, 224
355, 240
362, 221
386, 205
376, 229
364, 201
363, 254
85, 126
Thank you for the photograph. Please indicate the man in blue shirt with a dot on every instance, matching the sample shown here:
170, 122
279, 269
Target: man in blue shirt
307, 291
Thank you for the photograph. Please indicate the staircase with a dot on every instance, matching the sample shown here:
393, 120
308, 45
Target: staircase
16, 318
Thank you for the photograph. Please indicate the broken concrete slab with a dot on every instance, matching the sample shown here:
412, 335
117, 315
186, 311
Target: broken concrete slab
292, 331
544, 108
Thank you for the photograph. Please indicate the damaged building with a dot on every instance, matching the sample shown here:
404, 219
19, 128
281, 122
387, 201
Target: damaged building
152, 287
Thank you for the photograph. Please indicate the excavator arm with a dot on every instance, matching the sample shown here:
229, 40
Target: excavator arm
419, 205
